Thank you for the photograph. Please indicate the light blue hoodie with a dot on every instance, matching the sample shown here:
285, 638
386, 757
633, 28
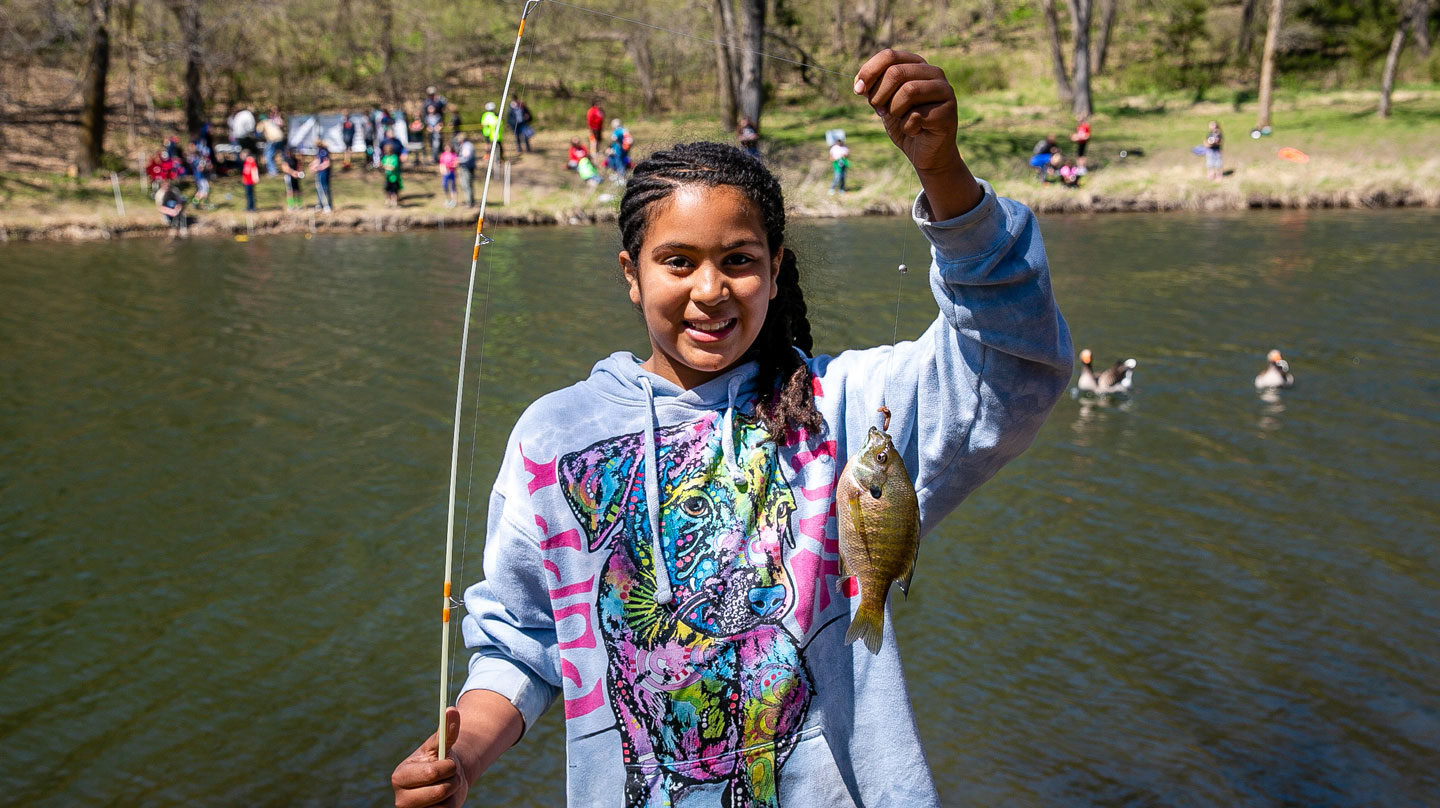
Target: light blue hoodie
726, 681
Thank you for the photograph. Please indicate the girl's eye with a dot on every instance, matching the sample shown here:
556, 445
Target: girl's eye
677, 261
695, 506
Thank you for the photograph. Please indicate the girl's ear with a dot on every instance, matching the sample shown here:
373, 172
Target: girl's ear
632, 276
775, 262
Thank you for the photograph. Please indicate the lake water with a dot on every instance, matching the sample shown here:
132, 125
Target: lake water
223, 474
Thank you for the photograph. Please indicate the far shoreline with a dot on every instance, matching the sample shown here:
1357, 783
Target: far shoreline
382, 220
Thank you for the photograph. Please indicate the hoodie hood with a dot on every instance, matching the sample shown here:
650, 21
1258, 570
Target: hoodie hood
618, 377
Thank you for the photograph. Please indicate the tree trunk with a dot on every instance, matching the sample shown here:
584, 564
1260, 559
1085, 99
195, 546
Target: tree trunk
1422, 27
92, 107
638, 48
725, 63
388, 82
838, 34
1107, 22
752, 75
1057, 55
1408, 17
187, 13
130, 77
1267, 62
1247, 30
1080, 14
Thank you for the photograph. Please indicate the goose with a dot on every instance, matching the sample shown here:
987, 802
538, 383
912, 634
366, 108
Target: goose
1115, 379
1276, 373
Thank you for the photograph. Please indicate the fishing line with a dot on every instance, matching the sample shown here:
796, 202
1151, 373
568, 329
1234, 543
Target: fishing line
729, 45
895, 335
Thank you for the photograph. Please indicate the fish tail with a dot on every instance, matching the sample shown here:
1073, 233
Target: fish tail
869, 624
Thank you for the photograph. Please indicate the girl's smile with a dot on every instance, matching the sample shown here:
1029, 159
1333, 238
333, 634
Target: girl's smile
703, 280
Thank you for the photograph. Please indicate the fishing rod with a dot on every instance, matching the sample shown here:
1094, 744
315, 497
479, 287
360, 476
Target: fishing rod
480, 240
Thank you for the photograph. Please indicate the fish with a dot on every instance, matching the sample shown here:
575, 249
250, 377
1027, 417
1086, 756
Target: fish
879, 520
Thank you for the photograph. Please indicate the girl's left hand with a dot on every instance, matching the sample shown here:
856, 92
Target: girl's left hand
916, 104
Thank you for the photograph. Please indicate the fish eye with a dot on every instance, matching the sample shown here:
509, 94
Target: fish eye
695, 506
883, 457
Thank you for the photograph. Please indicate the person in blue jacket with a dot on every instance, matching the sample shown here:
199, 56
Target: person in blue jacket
661, 546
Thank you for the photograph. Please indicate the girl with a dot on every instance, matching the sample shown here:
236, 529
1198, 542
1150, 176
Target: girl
661, 547
1214, 142
290, 165
449, 163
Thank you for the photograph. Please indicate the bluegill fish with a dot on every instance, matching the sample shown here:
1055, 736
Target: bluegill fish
879, 519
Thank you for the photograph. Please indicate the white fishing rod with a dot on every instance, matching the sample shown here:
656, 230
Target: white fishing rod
480, 238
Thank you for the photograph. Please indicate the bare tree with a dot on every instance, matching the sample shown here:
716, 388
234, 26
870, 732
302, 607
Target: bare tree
1247, 30
877, 25
389, 83
1057, 54
1422, 27
726, 74
1267, 62
187, 13
1413, 16
1107, 22
1080, 78
752, 88
97, 72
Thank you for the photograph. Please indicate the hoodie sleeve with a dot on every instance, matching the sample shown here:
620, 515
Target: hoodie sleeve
509, 621
970, 394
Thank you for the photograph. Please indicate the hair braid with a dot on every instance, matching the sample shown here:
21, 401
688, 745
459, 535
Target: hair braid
787, 399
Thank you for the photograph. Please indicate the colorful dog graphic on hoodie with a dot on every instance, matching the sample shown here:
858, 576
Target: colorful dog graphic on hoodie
708, 690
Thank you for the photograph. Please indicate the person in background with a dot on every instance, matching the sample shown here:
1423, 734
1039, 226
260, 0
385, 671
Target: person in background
1052, 168
249, 177
172, 206
397, 146
1070, 174
493, 130
347, 136
621, 136
198, 169
434, 99
586, 170
577, 151
435, 128
390, 164
455, 128
519, 118
839, 163
290, 167
465, 168
748, 133
320, 167
384, 130
1081, 139
272, 128
242, 128
449, 162
156, 170
367, 131
595, 121
1214, 141
1045, 147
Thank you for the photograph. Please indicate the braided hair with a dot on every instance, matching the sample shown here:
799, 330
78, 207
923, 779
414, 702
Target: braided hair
787, 399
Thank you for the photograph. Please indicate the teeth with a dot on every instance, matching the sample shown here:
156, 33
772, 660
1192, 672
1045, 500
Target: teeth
711, 327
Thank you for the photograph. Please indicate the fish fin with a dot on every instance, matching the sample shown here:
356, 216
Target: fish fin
904, 580
869, 625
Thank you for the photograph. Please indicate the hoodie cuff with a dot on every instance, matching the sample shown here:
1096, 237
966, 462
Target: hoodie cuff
530, 694
972, 233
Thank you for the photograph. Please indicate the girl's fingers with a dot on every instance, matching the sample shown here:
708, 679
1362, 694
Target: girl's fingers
876, 65
895, 77
916, 94
430, 795
931, 116
418, 772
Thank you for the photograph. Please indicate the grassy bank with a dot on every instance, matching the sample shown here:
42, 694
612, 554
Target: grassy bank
1356, 159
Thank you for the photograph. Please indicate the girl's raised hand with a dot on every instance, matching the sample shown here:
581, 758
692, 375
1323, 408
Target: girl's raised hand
917, 105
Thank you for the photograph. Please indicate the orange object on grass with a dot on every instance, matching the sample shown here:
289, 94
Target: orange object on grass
1292, 154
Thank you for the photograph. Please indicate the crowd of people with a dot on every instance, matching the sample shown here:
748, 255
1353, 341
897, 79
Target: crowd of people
1051, 164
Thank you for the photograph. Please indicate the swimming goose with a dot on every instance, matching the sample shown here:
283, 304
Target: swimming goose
1115, 379
1276, 373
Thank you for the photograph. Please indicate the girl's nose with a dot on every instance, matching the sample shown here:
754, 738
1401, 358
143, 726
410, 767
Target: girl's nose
711, 285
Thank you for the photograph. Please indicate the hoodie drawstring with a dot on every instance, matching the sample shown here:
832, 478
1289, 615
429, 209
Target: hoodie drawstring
652, 500
727, 437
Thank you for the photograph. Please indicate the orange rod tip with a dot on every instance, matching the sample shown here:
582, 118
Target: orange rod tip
475, 253
445, 615
521, 32
447, 589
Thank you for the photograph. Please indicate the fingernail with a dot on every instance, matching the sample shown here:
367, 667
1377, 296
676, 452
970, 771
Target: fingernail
859, 86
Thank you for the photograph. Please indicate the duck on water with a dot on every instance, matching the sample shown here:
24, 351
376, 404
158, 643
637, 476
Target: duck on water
1118, 378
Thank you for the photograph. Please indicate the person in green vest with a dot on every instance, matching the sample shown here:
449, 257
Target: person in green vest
492, 129
390, 164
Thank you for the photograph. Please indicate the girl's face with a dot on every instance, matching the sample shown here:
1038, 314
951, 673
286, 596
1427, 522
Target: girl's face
703, 280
